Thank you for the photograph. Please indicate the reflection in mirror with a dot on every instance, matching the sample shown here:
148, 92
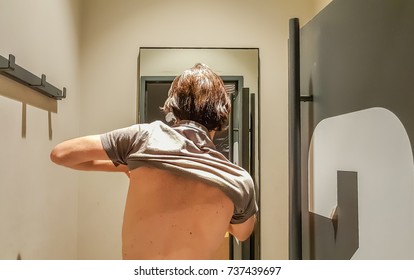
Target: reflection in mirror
239, 69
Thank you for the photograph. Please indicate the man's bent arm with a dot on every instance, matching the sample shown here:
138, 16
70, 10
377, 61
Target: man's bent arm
84, 153
244, 230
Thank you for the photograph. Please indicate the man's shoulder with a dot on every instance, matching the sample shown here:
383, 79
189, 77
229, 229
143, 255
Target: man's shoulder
156, 125
151, 127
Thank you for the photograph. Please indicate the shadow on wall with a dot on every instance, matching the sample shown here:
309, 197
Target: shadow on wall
27, 96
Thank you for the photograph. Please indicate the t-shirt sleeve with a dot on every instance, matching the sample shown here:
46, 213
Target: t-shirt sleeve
250, 207
120, 143
239, 218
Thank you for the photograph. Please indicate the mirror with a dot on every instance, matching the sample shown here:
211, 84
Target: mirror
239, 69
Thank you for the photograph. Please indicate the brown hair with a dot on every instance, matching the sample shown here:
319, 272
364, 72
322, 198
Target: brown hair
199, 95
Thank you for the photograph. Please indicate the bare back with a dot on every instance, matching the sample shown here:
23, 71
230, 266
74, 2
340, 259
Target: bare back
168, 216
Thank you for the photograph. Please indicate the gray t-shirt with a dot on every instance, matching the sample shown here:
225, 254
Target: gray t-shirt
186, 149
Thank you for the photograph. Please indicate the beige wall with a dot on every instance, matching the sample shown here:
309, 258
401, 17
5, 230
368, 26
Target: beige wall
38, 201
320, 4
112, 33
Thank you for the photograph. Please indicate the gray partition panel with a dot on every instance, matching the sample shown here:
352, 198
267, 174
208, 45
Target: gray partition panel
359, 54
354, 55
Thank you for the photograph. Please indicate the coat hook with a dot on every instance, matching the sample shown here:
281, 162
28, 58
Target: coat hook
60, 94
10, 63
42, 82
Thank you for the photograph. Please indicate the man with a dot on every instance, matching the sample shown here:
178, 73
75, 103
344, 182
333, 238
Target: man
183, 194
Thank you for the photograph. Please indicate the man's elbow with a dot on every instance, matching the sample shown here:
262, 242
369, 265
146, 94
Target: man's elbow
57, 156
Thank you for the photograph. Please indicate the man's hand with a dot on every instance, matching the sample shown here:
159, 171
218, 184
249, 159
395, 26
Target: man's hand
244, 230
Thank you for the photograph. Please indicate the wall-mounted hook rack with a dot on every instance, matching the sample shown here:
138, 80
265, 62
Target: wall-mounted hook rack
10, 69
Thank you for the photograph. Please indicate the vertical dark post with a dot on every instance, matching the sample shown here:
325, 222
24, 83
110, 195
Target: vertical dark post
247, 249
255, 239
295, 211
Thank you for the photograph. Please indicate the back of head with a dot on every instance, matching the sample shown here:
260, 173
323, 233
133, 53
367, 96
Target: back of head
199, 95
